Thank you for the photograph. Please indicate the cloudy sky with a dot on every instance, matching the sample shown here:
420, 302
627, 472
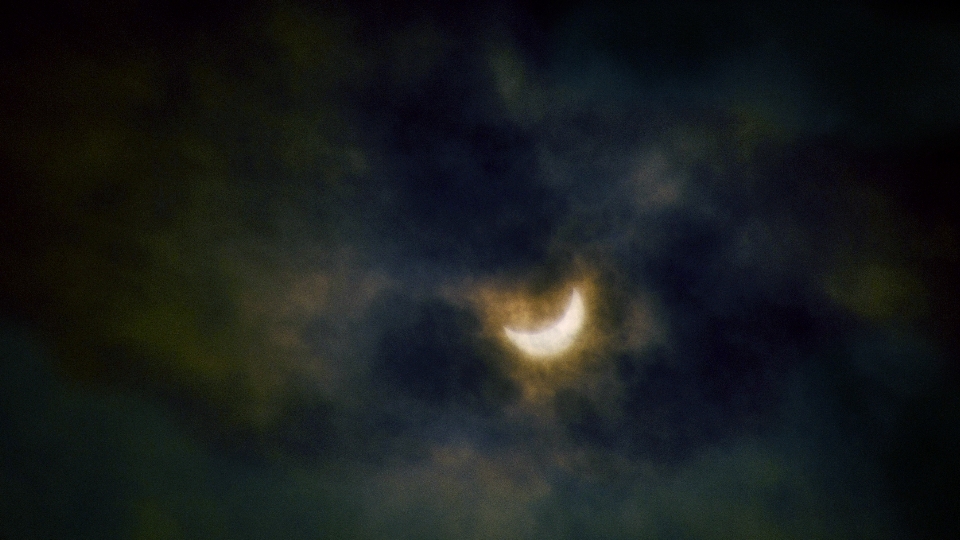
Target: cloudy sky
258, 261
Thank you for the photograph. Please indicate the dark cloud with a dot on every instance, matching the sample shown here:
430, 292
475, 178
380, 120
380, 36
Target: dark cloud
433, 356
922, 471
267, 254
458, 184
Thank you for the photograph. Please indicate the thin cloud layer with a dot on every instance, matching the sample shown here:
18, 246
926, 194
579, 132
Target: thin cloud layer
260, 268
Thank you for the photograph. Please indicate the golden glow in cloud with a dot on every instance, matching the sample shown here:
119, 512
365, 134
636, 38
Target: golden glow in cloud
569, 308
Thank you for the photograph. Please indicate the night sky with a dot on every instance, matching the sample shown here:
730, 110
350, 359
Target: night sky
256, 263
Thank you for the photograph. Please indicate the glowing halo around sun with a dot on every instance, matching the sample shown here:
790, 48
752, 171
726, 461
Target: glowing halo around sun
548, 327
555, 338
546, 332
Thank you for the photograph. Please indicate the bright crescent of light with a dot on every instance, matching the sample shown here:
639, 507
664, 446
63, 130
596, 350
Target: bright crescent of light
555, 338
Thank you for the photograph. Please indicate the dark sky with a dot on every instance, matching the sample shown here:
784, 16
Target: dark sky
257, 262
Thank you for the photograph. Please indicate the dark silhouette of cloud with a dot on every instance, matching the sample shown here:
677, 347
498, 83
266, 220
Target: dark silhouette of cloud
259, 261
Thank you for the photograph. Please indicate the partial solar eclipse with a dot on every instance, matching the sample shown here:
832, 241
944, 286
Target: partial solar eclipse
556, 337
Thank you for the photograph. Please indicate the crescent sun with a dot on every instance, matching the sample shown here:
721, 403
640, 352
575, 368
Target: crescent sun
555, 337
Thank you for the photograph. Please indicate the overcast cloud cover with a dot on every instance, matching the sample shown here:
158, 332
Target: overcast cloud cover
257, 262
